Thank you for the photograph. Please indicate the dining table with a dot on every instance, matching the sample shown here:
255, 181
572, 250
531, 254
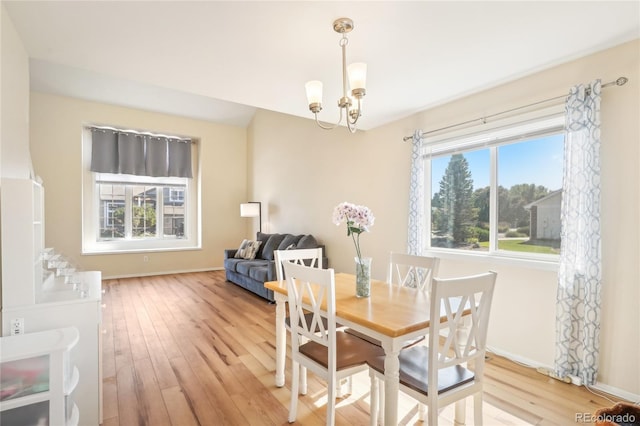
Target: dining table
392, 314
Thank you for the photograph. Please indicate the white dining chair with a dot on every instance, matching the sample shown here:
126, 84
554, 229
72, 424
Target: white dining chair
309, 257
410, 270
329, 353
438, 374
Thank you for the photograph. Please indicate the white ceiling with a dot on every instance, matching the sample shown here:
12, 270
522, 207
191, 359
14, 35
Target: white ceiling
219, 61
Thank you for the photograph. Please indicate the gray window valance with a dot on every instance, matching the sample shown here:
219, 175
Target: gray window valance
115, 151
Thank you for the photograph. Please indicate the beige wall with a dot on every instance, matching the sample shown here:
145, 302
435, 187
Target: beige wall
14, 131
301, 172
56, 127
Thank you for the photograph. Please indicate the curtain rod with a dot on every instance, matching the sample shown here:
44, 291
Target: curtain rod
142, 133
620, 81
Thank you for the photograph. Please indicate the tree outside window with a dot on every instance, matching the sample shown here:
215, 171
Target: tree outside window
528, 211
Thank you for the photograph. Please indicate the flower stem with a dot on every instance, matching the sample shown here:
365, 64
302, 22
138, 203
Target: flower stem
356, 242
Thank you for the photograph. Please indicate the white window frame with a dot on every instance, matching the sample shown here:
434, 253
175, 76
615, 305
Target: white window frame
539, 123
91, 244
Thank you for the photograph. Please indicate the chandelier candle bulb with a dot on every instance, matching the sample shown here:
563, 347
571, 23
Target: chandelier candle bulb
314, 95
357, 76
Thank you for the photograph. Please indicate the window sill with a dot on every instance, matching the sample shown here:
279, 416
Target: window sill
542, 263
133, 251
140, 246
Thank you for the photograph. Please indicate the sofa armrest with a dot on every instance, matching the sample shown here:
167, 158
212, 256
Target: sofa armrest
229, 253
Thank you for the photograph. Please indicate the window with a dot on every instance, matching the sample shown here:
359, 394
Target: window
497, 191
133, 211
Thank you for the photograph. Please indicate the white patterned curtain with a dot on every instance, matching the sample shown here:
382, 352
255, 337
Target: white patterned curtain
579, 275
416, 197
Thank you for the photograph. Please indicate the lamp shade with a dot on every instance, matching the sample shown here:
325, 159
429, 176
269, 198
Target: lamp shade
314, 92
249, 210
357, 75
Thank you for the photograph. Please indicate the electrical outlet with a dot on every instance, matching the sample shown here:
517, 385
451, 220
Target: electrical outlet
17, 326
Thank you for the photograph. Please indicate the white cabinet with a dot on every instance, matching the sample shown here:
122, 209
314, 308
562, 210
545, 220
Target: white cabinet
85, 313
46, 294
38, 379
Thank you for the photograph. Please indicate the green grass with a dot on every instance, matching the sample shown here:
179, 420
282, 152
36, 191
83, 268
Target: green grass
522, 246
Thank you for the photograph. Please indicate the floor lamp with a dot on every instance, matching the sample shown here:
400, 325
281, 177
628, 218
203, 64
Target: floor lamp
252, 209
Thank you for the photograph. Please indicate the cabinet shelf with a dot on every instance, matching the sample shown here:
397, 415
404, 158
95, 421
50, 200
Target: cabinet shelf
36, 377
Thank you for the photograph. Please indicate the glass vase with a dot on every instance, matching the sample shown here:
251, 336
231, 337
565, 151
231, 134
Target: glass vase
363, 276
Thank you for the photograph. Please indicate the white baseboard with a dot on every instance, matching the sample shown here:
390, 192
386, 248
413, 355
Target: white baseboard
611, 390
631, 397
152, 274
519, 359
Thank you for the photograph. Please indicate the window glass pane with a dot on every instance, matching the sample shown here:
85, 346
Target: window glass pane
111, 211
529, 195
173, 211
459, 203
143, 211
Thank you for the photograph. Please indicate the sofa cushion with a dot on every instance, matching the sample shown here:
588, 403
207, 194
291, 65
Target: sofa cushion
231, 263
288, 241
263, 238
307, 241
260, 273
272, 244
245, 266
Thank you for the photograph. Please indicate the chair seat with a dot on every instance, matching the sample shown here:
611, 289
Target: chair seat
406, 344
414, 373
350, 351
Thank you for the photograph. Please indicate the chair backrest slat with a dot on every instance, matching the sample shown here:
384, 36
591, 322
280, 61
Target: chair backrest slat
312, 290
309, 257
459, 299
409, 270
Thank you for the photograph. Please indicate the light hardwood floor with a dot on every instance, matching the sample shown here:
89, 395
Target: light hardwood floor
193, 349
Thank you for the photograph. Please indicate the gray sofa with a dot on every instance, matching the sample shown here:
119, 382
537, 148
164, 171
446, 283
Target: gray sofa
252, 274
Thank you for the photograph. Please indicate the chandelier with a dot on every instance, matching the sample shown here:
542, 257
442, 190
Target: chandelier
350, 106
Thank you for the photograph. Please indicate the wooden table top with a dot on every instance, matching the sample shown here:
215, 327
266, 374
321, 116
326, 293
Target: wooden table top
390, 309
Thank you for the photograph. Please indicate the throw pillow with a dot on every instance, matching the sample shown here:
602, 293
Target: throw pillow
307, 241
240, 252
251, 250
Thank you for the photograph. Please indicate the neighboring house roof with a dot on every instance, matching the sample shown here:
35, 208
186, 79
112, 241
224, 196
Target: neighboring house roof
555, 193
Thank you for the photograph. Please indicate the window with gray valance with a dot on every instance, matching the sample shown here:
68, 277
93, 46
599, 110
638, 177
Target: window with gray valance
116, 151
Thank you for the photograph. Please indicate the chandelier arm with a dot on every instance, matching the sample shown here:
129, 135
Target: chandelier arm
331, 126
351, 126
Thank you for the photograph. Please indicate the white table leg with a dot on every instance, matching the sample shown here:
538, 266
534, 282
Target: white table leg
391, 383
281, 338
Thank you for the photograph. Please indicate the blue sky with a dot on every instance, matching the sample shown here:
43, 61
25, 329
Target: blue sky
538, 161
